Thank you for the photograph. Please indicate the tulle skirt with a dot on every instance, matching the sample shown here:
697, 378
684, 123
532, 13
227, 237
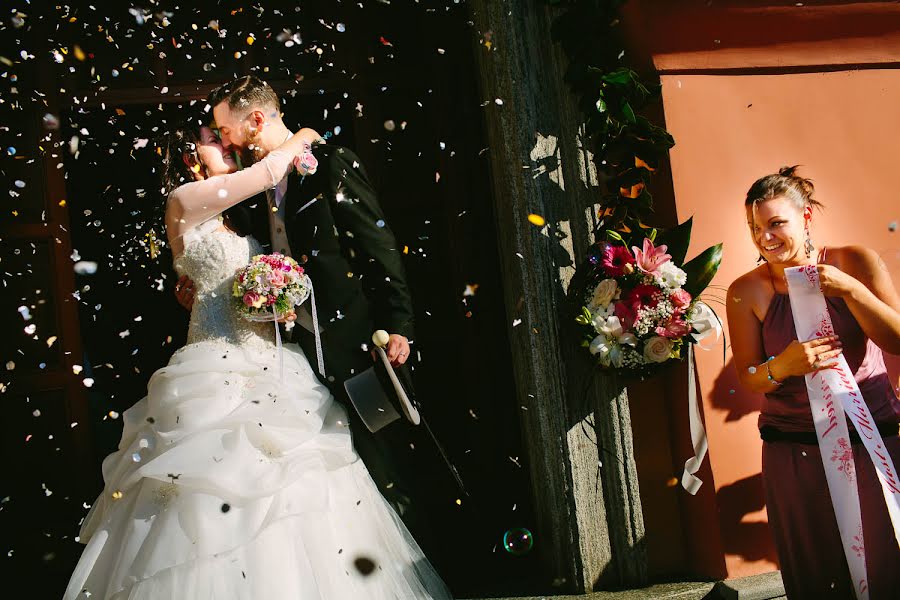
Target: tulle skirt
236, 479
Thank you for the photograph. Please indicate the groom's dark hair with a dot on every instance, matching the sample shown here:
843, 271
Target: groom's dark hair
244, 93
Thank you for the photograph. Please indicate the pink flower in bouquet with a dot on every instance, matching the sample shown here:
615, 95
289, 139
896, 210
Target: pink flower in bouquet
270, 300
674, 328
276, 278
615, 260
680, 299
299, 269
651, 257
627, 315
251, 298
642, 296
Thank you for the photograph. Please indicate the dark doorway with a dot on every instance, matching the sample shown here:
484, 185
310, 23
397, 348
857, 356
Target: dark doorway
394, 81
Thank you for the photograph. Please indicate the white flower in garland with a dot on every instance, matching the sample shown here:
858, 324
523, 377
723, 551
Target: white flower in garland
605, 292
608, 345
657, 349
670, 276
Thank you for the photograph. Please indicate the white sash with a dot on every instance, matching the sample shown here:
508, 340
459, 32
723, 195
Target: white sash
834, 397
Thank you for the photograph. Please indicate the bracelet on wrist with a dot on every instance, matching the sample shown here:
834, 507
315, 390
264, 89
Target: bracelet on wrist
769, 372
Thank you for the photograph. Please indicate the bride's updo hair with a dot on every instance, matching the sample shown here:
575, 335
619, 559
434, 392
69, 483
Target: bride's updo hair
179, 154
786, 183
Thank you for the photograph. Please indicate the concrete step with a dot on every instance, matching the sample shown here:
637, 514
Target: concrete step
767, 586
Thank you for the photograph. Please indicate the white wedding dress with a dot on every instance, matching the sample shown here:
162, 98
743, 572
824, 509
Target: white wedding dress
232, 484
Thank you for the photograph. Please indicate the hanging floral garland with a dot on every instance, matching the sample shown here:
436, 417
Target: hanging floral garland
640, 298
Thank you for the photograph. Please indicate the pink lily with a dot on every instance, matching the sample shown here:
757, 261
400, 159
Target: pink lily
650, 258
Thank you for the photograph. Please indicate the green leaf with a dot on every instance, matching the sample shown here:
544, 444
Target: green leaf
620, 76
652, 235
613, 235
677, 239
601, 105
629, 113
701, 269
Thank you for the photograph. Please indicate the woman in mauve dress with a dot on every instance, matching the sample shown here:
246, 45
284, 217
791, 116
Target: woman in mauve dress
865, 310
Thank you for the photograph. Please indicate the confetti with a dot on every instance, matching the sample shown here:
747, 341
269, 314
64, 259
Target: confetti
85, 267
88, 382
364, 565
536, 220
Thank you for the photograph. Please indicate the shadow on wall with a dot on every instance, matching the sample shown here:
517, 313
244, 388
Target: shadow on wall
730, 396
751, 540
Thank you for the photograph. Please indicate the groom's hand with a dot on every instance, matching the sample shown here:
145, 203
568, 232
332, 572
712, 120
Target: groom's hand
184, 292
397, 349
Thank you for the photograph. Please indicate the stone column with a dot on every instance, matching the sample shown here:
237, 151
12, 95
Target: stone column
577, 427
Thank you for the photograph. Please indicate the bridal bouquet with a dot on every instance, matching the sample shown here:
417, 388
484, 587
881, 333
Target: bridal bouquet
640, 306
269, 287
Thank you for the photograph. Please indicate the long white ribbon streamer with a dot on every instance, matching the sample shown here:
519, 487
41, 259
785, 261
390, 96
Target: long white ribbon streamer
278, 345
834, 397
689, 481
320, 357
706, 323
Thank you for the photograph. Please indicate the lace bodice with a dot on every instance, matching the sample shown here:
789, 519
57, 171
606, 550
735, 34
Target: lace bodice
210, 258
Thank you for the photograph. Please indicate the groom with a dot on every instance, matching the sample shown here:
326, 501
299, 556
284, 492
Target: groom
331, 223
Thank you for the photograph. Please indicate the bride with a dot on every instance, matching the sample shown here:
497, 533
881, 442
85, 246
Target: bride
232, 481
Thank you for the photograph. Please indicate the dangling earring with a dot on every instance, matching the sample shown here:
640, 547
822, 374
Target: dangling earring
761, 259
808, 245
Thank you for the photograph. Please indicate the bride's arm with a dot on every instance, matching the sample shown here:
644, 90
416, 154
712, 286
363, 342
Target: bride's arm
196, 202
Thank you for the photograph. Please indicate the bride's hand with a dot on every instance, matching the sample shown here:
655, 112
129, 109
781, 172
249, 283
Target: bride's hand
288, 317
301, 142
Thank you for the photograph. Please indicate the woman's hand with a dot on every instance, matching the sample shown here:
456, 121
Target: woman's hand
800, 358
288, 317
301, 142
835, 282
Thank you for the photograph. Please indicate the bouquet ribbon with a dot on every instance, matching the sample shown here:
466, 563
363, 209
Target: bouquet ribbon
320, 357
833, 398
689, 480
706, 325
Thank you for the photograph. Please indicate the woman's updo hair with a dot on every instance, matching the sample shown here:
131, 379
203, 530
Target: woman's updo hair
178, 148
786, 183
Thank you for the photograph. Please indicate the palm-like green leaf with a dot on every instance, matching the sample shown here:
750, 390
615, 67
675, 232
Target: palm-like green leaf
677, 239
701, 269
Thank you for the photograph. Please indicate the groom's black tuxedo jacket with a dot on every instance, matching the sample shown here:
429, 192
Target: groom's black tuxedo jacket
337, 232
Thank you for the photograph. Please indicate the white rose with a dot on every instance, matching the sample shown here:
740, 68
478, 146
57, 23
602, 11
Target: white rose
670, 276
604, 293
657, 349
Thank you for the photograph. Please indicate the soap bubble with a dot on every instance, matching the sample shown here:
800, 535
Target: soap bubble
518, 541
